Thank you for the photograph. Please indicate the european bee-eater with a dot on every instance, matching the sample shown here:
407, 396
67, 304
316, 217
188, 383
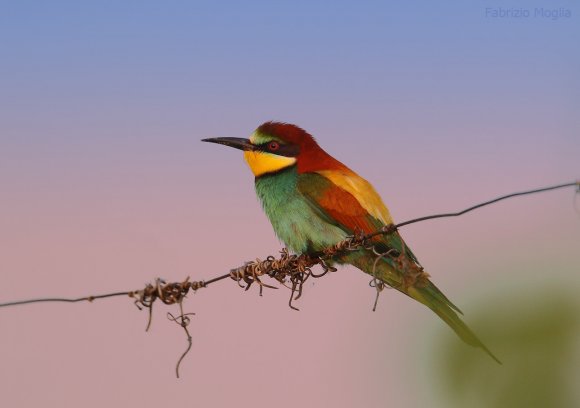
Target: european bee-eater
314, 201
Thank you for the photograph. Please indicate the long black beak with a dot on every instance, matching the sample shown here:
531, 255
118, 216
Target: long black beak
237, 142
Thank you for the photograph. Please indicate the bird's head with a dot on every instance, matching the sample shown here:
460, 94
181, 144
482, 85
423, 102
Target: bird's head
276, 146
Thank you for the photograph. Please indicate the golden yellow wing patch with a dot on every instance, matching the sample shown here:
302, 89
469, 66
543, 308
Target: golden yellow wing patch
362, 190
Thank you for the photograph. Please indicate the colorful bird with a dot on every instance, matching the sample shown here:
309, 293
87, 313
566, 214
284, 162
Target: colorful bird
314, 201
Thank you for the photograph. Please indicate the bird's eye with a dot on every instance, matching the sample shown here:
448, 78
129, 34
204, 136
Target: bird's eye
272, 146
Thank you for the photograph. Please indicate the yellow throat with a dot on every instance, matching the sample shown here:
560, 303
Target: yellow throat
263, 162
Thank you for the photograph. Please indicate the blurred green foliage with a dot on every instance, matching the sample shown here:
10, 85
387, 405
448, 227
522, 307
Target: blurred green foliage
537, 337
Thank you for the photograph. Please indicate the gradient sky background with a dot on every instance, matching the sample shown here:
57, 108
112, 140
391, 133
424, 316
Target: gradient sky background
105, 186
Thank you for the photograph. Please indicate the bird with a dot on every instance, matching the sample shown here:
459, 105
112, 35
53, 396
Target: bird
314, 201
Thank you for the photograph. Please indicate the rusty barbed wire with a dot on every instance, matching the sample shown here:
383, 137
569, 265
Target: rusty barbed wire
290, 270
169, 293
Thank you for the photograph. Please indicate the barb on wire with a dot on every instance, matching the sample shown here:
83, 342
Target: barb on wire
375, 282
169, 293
290, 270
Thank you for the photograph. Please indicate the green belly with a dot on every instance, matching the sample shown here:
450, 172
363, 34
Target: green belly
294, 220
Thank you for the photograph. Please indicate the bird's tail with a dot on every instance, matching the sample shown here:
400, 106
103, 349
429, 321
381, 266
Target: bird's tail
409, 278
435, 300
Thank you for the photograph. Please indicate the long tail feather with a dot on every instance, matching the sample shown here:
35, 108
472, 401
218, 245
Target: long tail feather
432, 297
425, 292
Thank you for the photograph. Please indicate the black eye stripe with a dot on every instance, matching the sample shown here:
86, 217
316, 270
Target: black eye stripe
282, 150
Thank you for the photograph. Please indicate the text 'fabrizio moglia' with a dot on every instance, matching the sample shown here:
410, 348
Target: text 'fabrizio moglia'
523, 13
